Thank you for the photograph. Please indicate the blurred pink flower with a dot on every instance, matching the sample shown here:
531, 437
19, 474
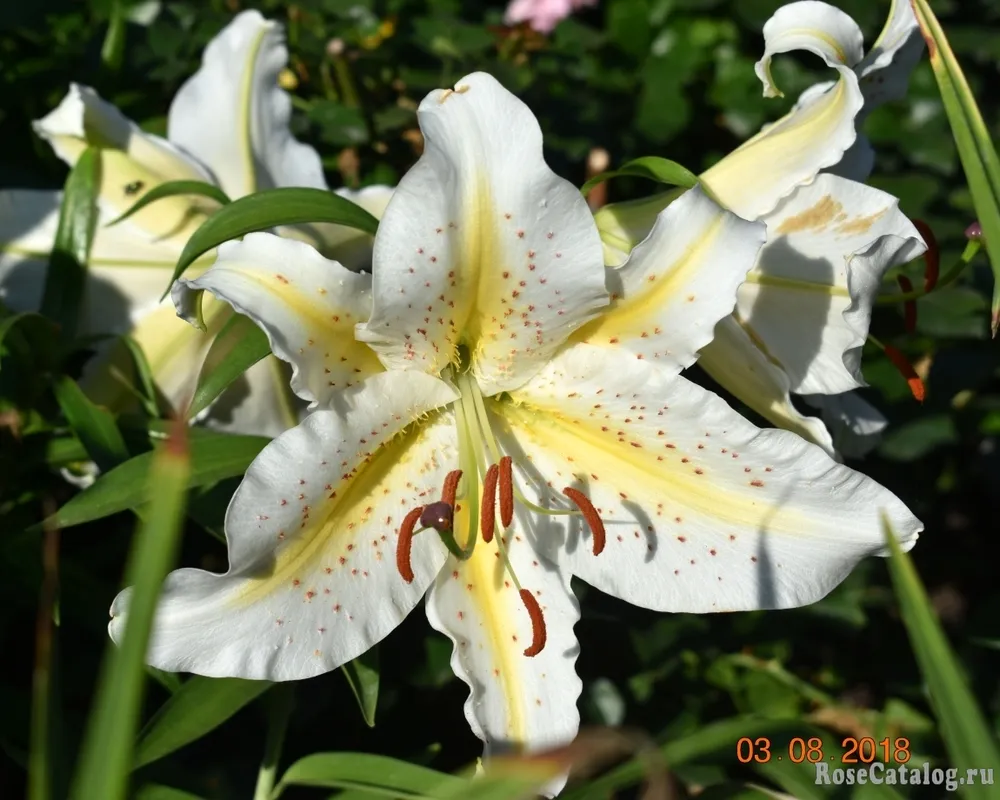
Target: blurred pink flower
543, 15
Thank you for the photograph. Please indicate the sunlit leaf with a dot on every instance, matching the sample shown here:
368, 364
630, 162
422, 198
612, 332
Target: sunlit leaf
237, 347
268, 209
359, 770
172, 189
657, 169
95, 426
967, 736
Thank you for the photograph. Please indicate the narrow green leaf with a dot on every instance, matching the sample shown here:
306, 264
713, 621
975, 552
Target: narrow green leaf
172, 189
360, 770
95, 426
67, 273
198, 707
654, 168
147, 384
975, 147
168, 680
107, 750
363, 677
967, 736
113, 49
156, 791
268, 209
126, 486
237, 347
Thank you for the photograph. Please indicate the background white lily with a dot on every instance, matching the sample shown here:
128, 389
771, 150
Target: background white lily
802, 317
228, 125
498, 344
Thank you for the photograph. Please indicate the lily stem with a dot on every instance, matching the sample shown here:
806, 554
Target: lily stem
281, 701
948, 278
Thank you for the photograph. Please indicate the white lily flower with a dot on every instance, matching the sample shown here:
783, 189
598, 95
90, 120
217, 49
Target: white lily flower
504, 383
228, 125
802, 317
855, 424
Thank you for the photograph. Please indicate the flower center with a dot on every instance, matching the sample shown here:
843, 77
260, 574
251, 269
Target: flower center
480, 460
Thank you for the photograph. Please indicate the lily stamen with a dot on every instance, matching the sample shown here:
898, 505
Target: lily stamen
450, 488
909, 306
506, 492
906, 369
405, 543
487, 514
538, 633
590, 515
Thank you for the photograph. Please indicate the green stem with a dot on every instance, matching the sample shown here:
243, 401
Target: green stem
970, 252
346, 81
281, 702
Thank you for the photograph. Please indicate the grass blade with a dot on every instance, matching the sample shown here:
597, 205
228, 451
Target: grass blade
362, 676
172, 189
94, 425
199, 706
67, 273
106, 757
654, 168
268, 209
975, 148
237, 347
966, 734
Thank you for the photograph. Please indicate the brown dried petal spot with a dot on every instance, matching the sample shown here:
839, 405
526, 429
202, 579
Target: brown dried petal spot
506, 491
487, 513
590, 515
538, 633
405, 543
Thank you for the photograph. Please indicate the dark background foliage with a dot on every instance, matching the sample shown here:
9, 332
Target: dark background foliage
637, 77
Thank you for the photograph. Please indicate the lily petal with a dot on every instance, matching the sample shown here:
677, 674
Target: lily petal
311, 530
306, 304
233, 116
482, 245
856, 424
678, 283
885, 71
132, 162
515, 701
753, 178
810, 296
742, 368
703, 511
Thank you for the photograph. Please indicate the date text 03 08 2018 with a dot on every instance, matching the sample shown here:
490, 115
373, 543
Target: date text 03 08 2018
851, 750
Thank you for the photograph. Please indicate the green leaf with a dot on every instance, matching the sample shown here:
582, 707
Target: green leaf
29, 319
156, 791
362, 770
95, 426
967, 736
113, 49
268, 209
126, 486
654, 168
237, 347
198, 707
107, 750
67, 272
363, 677
975, 147
172, 189
148, 385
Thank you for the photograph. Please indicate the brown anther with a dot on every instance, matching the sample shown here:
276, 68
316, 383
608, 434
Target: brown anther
439, 516
590, 515
405, 543
450, 488
487, 513
506, 492
909, 306
538, 634
907, 371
